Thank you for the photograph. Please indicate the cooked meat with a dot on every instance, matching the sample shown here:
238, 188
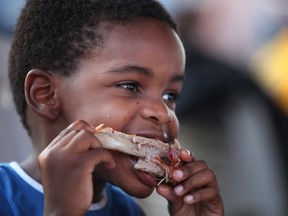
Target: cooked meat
154, 156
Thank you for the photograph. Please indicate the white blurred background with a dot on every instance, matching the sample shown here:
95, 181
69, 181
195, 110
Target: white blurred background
233, 110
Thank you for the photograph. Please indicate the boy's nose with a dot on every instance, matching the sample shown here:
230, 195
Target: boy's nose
157, 111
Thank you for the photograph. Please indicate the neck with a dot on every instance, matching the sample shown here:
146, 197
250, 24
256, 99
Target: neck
30, 166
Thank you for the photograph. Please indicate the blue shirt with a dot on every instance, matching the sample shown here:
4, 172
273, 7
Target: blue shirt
20, 195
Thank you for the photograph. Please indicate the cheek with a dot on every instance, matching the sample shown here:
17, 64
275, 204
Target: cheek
115, 116
173, 126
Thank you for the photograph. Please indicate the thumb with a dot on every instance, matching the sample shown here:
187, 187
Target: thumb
175, 202
167, 192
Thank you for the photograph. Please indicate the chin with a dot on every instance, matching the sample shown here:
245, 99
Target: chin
139, 193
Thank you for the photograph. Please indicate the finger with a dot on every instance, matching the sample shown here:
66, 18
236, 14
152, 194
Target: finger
204, 178
61, 141
188, 170
97, 156
83, 141
186, 155
167, 192
51, 158
77, 125
201, 195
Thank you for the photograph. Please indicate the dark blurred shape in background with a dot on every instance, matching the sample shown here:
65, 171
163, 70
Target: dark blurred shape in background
234, 105
233, 124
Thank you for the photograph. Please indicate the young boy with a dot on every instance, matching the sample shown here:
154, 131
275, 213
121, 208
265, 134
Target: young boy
76, 64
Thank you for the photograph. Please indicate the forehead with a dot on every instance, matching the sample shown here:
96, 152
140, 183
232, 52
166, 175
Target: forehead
141, 40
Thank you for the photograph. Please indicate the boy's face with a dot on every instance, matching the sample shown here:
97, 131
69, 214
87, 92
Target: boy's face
130, 85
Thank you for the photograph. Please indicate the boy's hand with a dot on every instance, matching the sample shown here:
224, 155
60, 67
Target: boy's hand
66, 168
196, 192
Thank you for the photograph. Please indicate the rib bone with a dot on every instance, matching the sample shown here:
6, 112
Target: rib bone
155, 157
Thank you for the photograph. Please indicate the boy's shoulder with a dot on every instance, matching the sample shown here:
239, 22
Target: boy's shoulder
5, 209
17, 197
14, 178
6, 175
20, 195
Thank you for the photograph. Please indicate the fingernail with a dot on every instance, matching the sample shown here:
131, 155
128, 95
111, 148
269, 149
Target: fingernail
179, 173
179, 189
67, 129
189, 199
189, 153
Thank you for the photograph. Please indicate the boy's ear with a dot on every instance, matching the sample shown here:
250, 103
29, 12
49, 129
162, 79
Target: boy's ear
41, 95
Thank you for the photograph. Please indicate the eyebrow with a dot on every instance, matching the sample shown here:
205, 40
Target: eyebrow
132, 68
143, 70
178, 77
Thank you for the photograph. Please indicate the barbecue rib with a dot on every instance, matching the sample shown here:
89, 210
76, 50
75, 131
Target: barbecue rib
154, 156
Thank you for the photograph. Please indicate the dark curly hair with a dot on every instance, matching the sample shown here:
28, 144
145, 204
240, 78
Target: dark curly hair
54, 35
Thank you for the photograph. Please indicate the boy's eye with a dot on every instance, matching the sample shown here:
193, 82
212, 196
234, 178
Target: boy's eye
130, 86
171, 97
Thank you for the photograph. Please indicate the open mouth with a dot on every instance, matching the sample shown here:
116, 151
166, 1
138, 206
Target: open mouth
134, 159
145, 177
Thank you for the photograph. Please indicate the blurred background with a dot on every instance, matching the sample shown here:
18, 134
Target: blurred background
234, 106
